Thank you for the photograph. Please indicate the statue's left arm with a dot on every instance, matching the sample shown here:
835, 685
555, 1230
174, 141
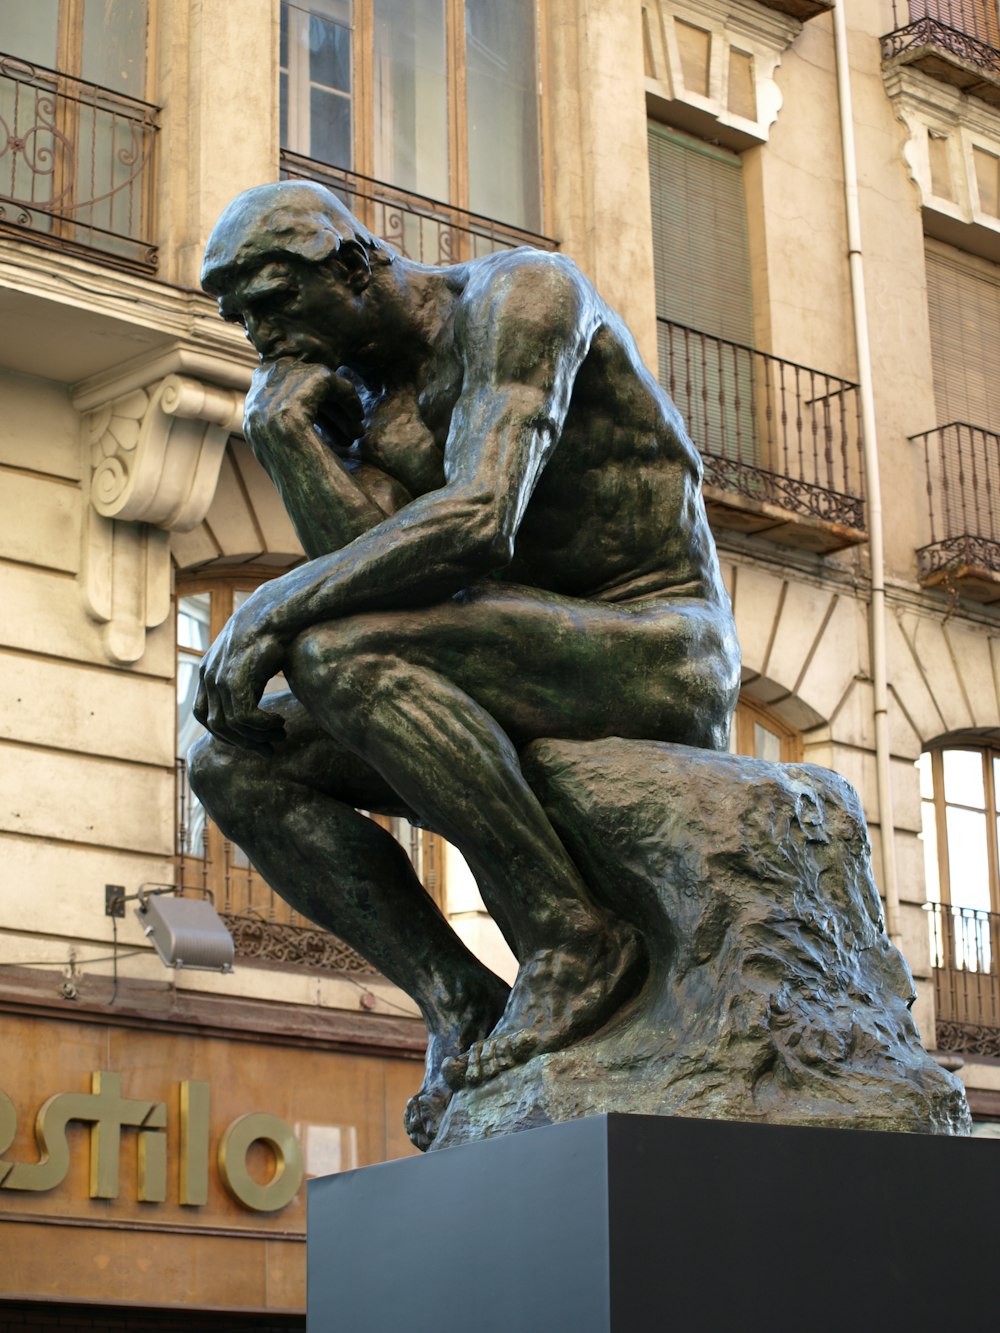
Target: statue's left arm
524, 336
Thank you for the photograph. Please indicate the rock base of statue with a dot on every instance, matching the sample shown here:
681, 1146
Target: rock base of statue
620, 1223
773, 993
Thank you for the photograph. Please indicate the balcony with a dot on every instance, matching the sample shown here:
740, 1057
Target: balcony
954, 41
76, 165
264, 927
781, 443
965, 949
962, 467
421, 229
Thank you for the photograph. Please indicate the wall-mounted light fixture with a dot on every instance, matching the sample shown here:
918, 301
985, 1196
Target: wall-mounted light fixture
185, 932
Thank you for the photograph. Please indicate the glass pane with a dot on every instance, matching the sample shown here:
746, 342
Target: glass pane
114, 45
29, 29
766, 744
194, 614
283, 112
502, 107
928, 836
411, 95
283, 38
968, 865
963, 777
191, 815
329, 127
923, 767
329, 54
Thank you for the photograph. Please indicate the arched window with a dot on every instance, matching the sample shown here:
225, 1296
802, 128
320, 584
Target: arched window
959, 786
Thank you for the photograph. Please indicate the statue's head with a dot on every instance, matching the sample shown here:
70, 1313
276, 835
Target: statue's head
296, 220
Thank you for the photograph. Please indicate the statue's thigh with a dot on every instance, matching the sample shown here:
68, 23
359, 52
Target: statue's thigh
545, 665
308, 756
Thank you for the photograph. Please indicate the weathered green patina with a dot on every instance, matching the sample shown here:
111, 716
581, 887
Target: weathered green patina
506, 543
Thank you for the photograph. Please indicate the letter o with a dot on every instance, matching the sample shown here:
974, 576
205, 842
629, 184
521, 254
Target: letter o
289, 1172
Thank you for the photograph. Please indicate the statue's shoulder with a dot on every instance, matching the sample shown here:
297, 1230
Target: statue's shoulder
537, 289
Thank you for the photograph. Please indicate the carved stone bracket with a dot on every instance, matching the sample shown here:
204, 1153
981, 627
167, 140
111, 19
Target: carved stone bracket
710, 65
154, 454
952, 152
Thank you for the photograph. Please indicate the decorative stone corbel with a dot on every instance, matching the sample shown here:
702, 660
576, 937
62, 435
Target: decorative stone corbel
951, 150
154, 455
710, 64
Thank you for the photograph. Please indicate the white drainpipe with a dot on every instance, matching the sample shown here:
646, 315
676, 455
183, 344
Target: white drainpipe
873, 492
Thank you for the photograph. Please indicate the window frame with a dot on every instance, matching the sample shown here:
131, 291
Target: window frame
456, 65
988, 753
750, 712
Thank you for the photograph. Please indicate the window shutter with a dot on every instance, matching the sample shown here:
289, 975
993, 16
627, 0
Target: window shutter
700, 251
964, 308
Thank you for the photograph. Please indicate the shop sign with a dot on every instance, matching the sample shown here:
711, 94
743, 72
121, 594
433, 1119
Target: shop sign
109, 1113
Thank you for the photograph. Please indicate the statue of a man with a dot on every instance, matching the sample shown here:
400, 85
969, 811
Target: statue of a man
506, 540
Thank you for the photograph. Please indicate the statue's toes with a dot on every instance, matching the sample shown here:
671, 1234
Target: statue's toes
422, 1118
455, 1071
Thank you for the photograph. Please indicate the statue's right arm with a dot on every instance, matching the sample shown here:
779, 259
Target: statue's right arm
329, 505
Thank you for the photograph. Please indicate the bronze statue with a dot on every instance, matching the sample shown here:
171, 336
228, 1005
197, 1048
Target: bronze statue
506, 541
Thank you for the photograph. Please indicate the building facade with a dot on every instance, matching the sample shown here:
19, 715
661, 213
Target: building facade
796, 207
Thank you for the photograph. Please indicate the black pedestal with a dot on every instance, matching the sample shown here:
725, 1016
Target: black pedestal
634, 1223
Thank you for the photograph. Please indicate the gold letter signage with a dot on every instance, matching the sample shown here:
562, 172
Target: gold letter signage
108, 1113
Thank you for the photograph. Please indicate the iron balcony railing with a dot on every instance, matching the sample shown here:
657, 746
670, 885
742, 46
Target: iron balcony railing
965, 954
76, 163
962, 467
769, 430
262, 924
966, 29
420, 228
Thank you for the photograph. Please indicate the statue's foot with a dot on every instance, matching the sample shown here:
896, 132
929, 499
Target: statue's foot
478, 1017
560, 995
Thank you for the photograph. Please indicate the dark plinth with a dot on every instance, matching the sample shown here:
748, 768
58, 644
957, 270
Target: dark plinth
633, 1223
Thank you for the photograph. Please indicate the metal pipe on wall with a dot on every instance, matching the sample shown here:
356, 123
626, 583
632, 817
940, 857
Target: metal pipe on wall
873, 492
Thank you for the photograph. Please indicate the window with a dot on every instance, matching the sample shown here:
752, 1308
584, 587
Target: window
79, 133
975, 18
206, 859
963, 298
958, 790
959, 818
761, 734
431, 96
701, 263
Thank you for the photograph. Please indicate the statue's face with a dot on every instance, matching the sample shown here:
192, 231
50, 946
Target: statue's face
293, 308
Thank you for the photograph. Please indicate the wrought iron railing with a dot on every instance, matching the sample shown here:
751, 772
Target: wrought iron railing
262, 924
967, 29
769, 430
965, 954
962, 468
76, 163
420, 228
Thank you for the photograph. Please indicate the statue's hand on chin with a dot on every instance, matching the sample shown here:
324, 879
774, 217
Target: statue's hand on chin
289, 397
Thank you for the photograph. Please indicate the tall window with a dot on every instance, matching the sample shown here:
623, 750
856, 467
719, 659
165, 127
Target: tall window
76, 136
701, 264
959, 789
438, 97
963, 298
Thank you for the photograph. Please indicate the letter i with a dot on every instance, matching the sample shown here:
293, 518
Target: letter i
193, 1186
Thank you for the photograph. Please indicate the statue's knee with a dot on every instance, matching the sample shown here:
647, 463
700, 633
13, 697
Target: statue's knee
332, 665
213, 770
